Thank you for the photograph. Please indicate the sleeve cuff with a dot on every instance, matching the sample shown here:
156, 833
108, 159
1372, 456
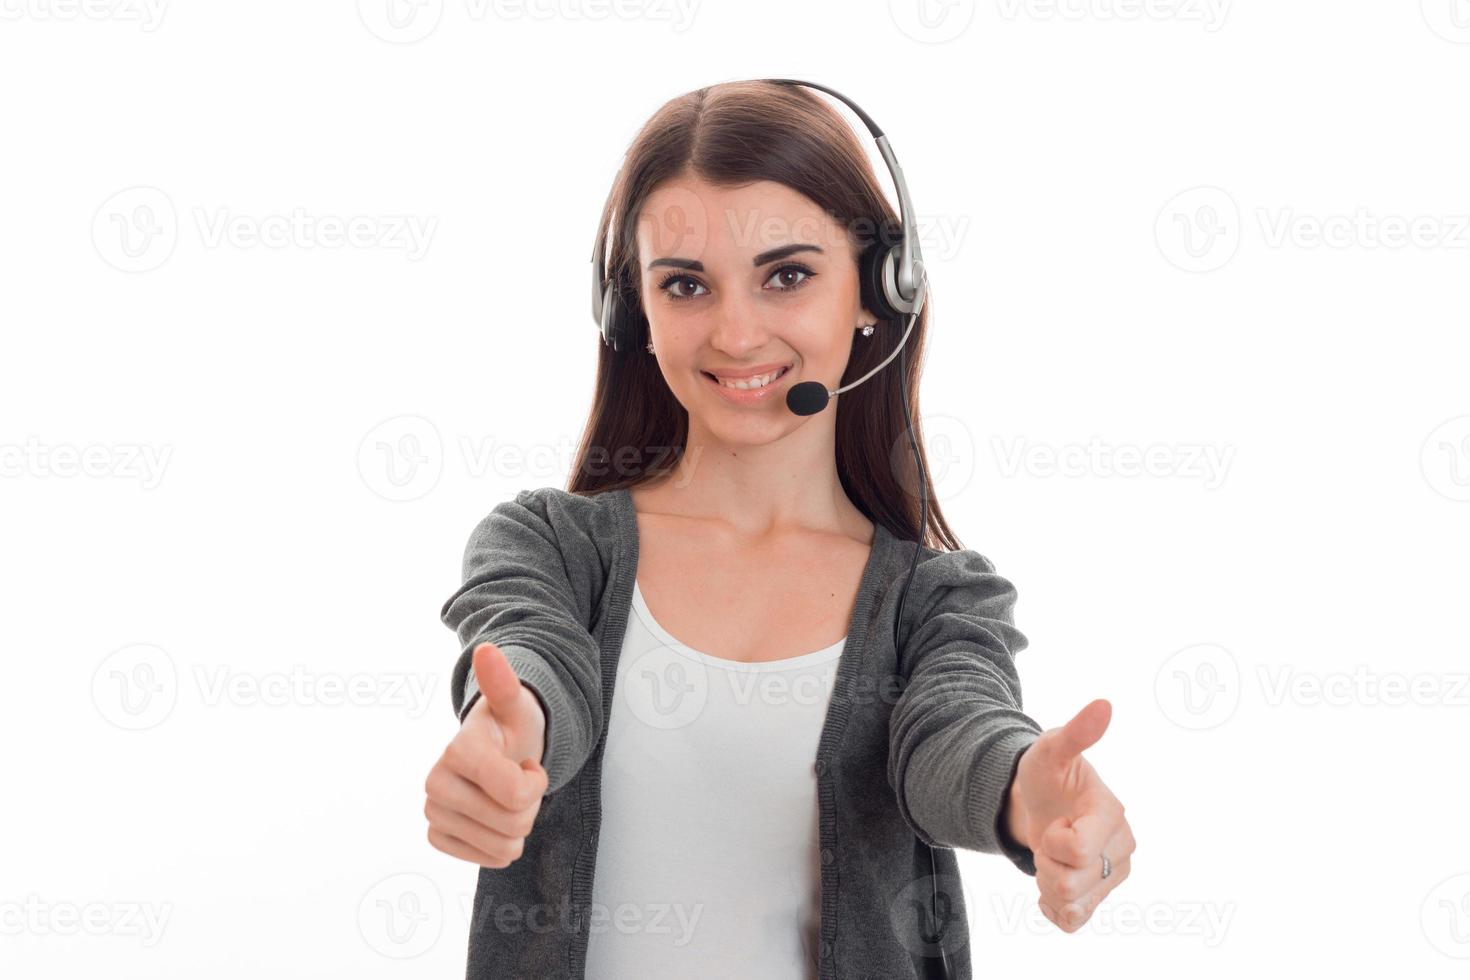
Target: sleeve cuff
990, 782
471, 695
534, 674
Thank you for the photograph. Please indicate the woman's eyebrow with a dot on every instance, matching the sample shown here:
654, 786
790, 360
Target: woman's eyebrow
773, 255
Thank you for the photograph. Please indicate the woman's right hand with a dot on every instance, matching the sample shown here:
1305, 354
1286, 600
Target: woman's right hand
486, 789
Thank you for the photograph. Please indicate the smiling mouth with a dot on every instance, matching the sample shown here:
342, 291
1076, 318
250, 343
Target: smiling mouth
749, 384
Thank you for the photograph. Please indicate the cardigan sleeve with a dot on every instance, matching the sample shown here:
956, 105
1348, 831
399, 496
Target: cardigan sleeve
529, 582
957, 730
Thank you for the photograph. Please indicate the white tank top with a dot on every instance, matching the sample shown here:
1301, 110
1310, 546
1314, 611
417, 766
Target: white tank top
707, 863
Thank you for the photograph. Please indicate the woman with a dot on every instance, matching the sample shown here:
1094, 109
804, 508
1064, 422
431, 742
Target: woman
719, 713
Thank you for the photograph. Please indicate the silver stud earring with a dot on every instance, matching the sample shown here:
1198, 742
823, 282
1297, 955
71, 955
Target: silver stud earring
650, 347
868, 329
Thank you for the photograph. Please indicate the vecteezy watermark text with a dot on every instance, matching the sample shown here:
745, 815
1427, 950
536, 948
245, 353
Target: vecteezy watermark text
132, 461
34, 916
408, 21
147, 14
137, 230
137, 687
1210, 13
1207, 463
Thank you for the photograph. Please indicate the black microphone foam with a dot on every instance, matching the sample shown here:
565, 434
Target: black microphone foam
807, 398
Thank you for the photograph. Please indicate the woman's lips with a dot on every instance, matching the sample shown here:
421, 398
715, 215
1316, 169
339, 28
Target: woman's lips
749, 396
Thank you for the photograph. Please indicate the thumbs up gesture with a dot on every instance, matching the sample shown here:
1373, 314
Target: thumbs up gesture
485, 791
1060, 809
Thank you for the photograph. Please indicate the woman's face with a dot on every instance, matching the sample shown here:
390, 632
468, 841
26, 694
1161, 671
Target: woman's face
745, 281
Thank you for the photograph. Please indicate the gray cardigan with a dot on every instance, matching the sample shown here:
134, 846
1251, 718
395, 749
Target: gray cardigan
922, 745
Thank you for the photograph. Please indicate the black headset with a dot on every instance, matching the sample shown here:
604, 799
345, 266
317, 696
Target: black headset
894, 284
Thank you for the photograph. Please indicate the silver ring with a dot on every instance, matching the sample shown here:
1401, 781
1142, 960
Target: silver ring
1107, 866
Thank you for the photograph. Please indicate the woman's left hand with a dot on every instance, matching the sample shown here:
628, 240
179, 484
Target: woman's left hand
1060, 809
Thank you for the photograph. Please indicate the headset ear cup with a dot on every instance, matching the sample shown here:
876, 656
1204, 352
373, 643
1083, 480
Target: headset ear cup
609, 314
620, 326
882, 251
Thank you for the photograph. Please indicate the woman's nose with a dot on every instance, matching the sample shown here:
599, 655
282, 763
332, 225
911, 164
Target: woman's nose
738, 327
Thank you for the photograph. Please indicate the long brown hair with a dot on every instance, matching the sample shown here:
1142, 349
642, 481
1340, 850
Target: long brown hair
732, 134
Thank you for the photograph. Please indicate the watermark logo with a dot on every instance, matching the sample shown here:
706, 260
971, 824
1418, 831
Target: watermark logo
665, 688
400, 21
949, 449
1198, 687
401, 458
1450, 19
1445, 459
401, 916
136, 687
136, 229
927, 920
1445, 916
1198, 230
932, 21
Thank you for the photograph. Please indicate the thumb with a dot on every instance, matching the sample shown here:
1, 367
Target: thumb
1083, 731
497, 679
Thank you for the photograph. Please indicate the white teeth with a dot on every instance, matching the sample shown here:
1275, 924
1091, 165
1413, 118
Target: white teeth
748, 384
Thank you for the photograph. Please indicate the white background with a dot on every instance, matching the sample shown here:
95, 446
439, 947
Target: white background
1205, 231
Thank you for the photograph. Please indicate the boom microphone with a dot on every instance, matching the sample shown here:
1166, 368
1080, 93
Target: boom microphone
810, 397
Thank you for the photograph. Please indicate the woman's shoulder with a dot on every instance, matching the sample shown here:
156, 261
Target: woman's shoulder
959, 562
941, 566
581, 501
958, 595
597, 519
946, 579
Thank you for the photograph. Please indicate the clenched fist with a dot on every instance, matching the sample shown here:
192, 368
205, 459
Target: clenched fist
486, 789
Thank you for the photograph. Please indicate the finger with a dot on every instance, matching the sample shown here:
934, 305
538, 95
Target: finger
1078, 910
1078, 843
504, 781
1092, 830
455, 847
482, 726
499, 685
455, 792
1082, 732
501, 848
1073, 893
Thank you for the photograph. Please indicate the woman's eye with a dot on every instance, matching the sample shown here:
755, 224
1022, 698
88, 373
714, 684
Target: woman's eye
790, 270
782, 280
674, 281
